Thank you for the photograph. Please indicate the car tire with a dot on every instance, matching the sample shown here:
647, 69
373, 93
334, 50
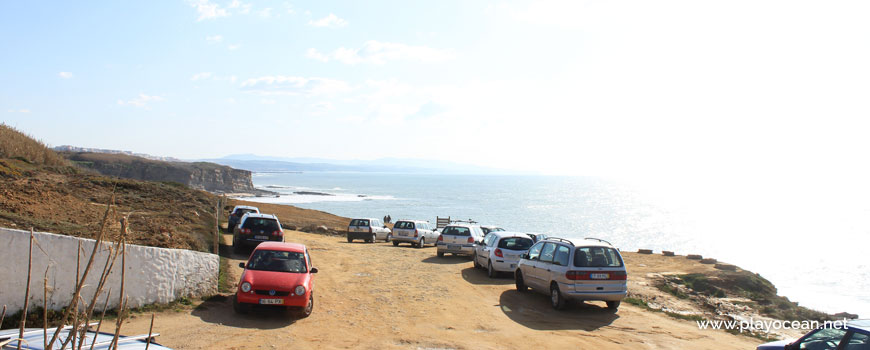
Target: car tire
238, 307
440, 254
521, 284
349, 240
490, 272
306, 311
421, 243
374, 238
395, 243
556, 299
613, 305
389, 238
477, 265
237, 247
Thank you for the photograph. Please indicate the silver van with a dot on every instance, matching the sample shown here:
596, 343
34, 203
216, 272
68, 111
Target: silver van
418, 233
587, 269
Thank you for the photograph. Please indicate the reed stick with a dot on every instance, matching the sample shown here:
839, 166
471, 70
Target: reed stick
26, 292
103, 315
88, 266
150, 331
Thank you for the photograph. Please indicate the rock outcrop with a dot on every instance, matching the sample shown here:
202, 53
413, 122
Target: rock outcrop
199, 175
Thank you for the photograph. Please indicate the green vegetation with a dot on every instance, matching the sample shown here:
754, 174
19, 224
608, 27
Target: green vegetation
224, 283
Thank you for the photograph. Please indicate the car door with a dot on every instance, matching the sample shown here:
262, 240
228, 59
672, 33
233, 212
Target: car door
530, 265
544, 266
483, 249
430, 234
822, 339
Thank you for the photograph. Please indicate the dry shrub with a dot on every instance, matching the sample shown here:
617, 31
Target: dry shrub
16, 144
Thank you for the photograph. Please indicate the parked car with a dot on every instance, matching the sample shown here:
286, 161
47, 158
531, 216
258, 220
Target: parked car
500, 251
588, 269
254, 229
277, 274
237, 213
418, 233
854, 336
459, 239
368, 230
490, 228
537, 236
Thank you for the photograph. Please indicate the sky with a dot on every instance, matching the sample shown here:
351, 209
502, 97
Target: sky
617, 88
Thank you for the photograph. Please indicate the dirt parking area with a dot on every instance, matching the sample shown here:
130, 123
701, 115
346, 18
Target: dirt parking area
377, 296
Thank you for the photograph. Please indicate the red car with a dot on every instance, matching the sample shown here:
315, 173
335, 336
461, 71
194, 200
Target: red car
277, 274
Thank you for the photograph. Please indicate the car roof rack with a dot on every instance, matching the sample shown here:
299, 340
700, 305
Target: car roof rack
560, 240
598, 239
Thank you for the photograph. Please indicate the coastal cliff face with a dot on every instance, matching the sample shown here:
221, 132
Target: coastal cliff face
200, 175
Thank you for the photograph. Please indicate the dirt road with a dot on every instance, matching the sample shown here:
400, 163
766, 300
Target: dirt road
376, 296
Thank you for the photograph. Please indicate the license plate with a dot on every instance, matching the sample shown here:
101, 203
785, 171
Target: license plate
261, 237
405, 234
453, 247
599, 276
271, 301
513, 266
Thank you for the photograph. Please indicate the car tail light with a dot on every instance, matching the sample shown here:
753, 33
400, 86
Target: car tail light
440, 238
370, 229
415, 233
498, 253
577, 275
470, 239
277, 233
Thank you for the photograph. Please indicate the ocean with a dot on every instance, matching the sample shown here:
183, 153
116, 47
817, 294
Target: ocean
809, 239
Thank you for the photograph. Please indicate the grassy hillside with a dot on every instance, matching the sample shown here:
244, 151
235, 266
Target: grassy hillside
17, 145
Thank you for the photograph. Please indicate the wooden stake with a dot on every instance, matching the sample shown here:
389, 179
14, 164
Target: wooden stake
217, 226
105, 306
2, 315
118, 325
45, 310
150, 331
88, 266
26, 292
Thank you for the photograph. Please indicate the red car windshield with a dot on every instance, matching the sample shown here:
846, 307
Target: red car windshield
280, 261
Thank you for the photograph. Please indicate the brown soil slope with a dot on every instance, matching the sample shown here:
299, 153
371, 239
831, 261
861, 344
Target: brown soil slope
376, 296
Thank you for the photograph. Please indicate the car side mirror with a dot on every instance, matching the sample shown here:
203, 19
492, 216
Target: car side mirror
525, 256
313, 270
242, 265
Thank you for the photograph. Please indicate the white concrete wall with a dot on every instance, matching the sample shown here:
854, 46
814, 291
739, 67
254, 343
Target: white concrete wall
154, 275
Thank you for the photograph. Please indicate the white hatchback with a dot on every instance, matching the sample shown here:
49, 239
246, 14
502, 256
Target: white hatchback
590, 269
501, 251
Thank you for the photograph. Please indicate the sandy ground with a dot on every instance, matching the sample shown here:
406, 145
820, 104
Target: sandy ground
376, 296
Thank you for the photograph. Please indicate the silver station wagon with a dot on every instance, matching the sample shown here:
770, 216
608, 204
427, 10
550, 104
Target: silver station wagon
587, 269
459, 239
417, 232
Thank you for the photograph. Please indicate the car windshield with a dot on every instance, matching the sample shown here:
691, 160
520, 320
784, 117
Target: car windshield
404, 225
359, 222
456, 231
597, 257
262, 224
280, 261
515, 243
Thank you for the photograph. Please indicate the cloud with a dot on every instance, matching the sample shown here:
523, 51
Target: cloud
141, 101
202, 76
208, 10
22, 110
65, 75
290, 85
376, 52
332, 21
233, 47
265, 13
214, 38
243, 8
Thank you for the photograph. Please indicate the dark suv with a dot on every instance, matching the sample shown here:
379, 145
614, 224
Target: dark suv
255, 229
237, 213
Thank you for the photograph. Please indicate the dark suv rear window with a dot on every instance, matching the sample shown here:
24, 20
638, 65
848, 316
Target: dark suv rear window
456, 231
242, 212
515, 243
597, 257
405, 225
263, 224
359, 222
